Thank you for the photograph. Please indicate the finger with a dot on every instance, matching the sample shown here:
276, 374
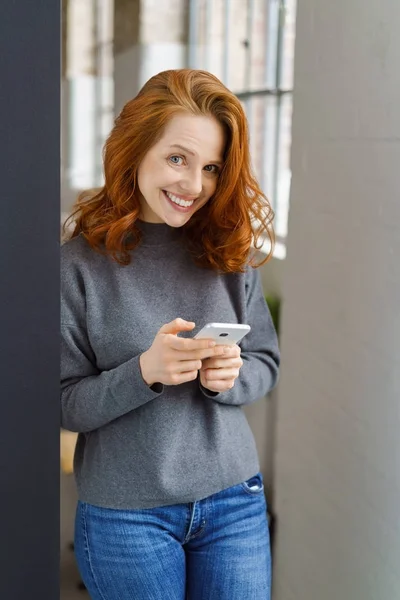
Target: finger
220, 374
184, 377
198, 354
188, 344
232, 351
184, 366
229, 351
176, 326
219, 385
222, 363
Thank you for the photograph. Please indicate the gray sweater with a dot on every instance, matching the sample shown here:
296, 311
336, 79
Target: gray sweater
142, 447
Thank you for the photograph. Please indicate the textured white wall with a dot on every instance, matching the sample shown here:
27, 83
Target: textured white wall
338, 444
135, 65
158, 44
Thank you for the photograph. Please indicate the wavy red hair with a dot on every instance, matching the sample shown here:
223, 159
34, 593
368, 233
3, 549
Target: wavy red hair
219, 235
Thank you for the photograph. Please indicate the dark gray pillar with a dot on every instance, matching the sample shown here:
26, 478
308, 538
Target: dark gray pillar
29, 315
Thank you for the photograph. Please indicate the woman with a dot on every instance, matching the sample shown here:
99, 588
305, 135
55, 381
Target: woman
171, 499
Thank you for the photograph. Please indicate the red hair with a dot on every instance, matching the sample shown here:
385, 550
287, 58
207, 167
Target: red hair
221, 233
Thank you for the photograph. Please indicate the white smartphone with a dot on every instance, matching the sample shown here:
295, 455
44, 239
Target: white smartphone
226, 334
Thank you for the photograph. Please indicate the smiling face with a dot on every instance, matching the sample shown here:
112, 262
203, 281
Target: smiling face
179, 174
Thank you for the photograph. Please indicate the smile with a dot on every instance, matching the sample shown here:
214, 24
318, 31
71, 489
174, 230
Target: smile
179, 201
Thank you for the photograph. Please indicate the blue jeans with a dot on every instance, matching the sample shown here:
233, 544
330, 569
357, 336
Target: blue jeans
213, 549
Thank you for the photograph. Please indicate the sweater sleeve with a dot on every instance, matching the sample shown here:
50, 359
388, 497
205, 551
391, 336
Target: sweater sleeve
259, 351
91, 398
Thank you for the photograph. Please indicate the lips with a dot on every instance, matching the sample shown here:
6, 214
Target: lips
181, 201
179, 204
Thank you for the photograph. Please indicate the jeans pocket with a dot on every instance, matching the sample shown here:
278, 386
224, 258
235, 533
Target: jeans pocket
254, 485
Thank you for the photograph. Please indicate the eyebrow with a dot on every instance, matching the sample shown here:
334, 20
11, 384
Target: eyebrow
217, 162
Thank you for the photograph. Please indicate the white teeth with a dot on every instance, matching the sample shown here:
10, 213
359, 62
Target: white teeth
179, 201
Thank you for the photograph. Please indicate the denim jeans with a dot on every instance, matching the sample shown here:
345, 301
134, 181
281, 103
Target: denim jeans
213, 549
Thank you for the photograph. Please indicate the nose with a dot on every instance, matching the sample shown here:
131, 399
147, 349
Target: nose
192, 182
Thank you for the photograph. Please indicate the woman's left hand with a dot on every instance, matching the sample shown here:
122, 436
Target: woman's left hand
219, 373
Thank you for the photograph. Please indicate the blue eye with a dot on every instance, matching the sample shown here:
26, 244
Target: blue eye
175, 160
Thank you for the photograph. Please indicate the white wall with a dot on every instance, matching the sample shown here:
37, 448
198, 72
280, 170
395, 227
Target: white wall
158, 44
135, 65
338, 444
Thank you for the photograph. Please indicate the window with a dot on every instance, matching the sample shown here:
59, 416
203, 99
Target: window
90, 92
249, 45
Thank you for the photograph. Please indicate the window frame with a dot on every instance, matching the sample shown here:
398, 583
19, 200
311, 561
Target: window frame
274, 50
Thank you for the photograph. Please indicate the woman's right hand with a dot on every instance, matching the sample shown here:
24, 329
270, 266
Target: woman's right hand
172, 360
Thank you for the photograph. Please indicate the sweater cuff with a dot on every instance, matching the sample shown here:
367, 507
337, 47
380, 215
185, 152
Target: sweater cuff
208, 393
141, 386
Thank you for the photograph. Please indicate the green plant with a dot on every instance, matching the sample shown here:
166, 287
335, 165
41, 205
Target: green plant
274, 304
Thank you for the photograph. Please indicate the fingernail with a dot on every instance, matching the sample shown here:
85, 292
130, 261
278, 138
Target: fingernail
211, 344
